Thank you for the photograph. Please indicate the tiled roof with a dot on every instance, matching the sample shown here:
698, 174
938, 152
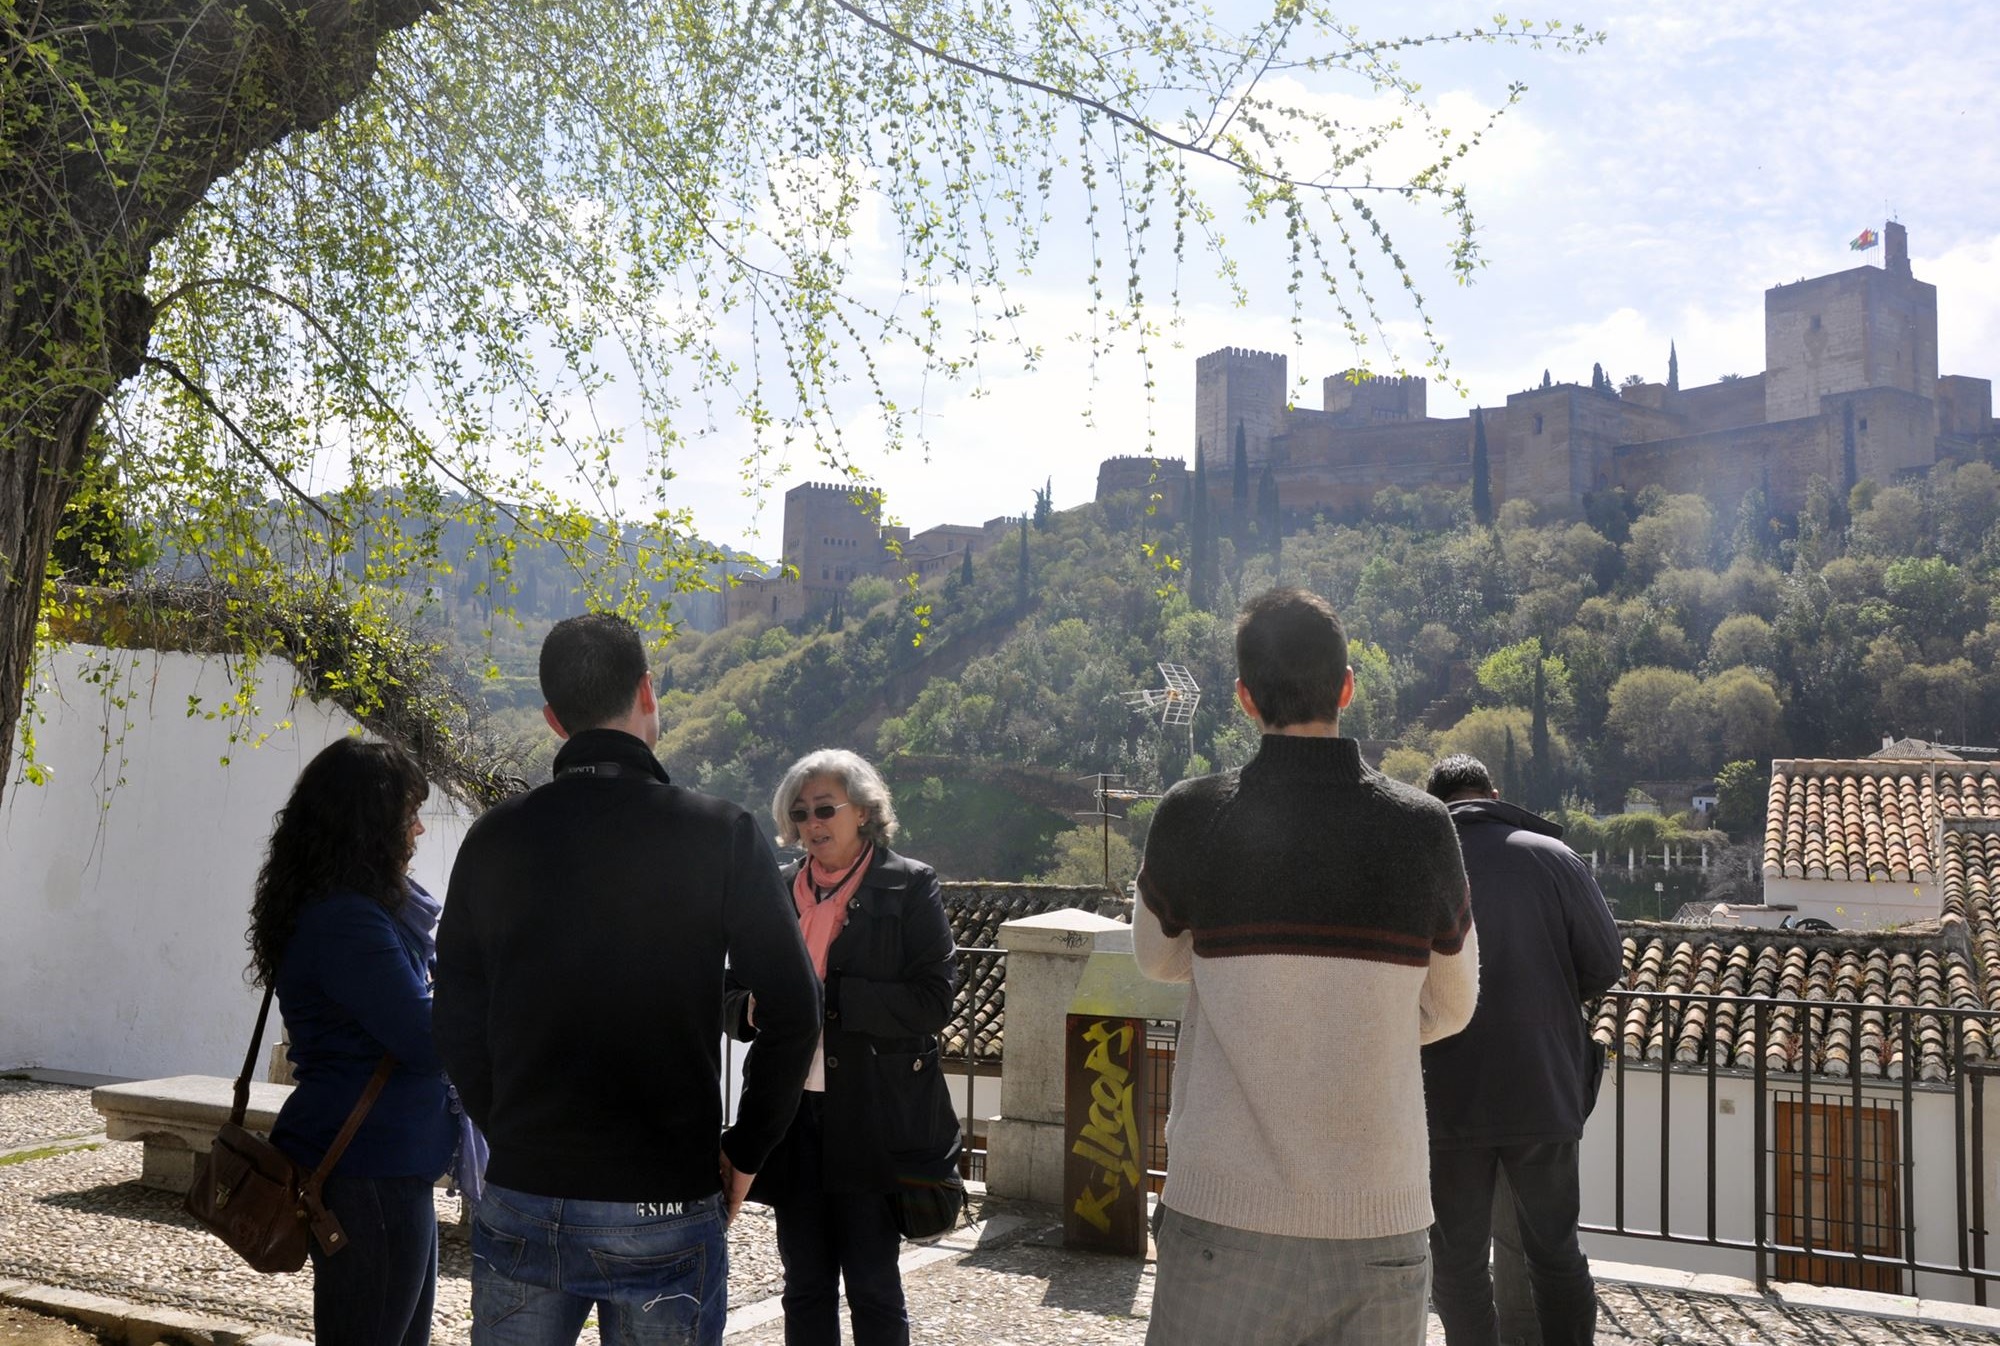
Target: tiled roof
976, 912
1868, 821
1845, 968
1972, 896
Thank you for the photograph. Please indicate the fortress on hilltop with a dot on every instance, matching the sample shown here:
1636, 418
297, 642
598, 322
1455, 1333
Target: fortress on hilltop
1849, 390
831, 541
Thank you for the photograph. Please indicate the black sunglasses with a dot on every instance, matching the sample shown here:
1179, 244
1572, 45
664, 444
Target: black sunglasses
821, 811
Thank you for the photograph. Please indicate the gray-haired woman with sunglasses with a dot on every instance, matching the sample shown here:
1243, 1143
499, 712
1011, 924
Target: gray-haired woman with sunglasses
875, 1111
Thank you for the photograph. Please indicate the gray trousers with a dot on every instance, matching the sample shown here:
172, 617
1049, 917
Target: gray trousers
1220, 1286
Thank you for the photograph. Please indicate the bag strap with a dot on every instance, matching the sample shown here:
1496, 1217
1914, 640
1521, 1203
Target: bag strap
240, 1104
383, 1070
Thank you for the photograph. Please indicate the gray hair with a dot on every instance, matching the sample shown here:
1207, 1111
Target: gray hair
863, 783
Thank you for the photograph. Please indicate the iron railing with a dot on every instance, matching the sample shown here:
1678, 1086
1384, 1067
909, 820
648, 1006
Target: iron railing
1834, 1156
1825, 1131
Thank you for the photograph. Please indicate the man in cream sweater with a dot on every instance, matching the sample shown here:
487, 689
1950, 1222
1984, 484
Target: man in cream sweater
1321, 913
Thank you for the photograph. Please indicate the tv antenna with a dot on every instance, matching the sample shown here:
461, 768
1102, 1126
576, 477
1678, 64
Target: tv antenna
1110, 788
1176, 701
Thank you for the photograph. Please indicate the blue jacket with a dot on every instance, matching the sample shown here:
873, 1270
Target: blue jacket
351, 985
1524, 1071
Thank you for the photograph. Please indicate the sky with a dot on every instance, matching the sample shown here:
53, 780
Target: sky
1646, 191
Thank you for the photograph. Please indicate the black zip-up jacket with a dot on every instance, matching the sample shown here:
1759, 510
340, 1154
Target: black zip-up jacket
580, 974
1521, 1072
890, 979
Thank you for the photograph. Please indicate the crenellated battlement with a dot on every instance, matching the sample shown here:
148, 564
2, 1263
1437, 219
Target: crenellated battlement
1358, 378
1236, 354
829, 488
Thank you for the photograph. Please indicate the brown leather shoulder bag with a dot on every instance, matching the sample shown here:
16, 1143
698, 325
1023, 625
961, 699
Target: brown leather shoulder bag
251, 1196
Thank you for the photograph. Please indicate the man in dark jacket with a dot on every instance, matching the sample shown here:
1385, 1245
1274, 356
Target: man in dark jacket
579, 1011
1509, 1094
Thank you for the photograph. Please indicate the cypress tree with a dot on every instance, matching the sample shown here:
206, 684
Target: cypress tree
1021, 576
1673, 369
1200, 591
1045, 505
1510, 779
1239, 490
1482, 471
1546, 383
1268, 512
1598, 383
965, 570
1539, 766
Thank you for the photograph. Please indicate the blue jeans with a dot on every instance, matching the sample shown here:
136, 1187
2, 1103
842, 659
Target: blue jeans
379, 1288
658, 1274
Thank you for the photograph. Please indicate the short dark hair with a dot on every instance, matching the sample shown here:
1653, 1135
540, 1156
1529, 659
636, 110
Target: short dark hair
591, 667
1459, 774
1292, 655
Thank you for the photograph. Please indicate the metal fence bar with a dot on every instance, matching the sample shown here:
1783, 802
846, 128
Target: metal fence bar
1958, 1146
1760, 1013
1671, 1015
1618, 1157
1804, 1166
1978, 1181
1856, 1152
1907, 1034
1713, 1108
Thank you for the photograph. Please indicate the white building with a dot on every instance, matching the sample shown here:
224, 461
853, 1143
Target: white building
125, 879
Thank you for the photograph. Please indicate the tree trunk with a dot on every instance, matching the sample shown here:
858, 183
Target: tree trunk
195, 89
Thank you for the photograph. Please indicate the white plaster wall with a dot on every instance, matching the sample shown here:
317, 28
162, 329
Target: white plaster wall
1859, 906
1934, 1178
124, 904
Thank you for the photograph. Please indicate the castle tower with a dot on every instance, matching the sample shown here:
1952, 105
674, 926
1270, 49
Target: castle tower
1372, 399
1864, 328
1234, 386
830, 539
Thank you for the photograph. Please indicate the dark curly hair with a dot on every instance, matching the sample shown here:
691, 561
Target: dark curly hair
346, 825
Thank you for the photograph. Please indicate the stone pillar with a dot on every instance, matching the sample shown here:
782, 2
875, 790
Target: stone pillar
1046, 956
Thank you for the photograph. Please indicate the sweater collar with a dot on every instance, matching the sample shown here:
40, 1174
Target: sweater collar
609, 745
1285, 755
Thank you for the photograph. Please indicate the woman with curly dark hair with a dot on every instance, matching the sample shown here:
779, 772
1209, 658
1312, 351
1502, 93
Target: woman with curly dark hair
346, 937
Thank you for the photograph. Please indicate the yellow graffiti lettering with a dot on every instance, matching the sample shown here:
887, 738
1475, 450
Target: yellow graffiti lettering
1092, 1208
1110, 1138
1099, 1061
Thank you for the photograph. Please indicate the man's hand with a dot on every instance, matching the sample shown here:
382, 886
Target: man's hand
735, 1186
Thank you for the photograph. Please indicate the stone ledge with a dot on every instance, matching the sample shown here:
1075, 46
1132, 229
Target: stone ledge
136, 1324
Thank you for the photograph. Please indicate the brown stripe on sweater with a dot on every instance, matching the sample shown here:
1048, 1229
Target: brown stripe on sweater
1236, 943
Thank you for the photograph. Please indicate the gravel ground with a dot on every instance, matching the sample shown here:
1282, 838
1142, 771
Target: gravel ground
31, 1113
19, 1328
80, 1219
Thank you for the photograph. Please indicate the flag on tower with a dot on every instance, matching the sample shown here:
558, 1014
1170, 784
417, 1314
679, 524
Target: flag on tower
1867, 239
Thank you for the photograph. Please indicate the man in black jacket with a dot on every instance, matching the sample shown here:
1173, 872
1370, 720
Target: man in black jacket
579, 1011
1509, 1094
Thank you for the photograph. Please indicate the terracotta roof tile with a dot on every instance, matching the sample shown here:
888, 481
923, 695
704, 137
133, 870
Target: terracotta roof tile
1869, 821
1841, 974
976, 912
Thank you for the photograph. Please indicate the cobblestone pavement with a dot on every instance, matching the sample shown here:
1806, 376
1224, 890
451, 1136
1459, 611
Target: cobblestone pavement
31, 1113
80, 1220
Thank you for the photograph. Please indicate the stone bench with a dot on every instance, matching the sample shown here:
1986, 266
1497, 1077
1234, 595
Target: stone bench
177, 1119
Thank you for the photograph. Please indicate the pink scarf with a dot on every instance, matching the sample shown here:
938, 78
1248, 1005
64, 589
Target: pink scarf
821, 921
